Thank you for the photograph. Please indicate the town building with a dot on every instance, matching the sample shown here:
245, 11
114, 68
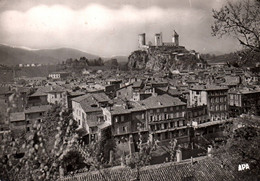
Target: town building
87, 111
59, 75
214, 97
244, 100
166, 118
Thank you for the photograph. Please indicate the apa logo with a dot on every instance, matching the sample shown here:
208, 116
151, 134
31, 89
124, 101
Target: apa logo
242, 167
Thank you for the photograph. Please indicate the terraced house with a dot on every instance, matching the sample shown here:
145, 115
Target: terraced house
158, 118
215, 98
88, 113
243, 101
165, 116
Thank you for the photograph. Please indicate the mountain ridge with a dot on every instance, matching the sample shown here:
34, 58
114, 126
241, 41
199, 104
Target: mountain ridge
10, 55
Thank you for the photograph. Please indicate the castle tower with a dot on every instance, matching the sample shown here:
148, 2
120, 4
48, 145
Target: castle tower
158, 39
141, 40
175, 38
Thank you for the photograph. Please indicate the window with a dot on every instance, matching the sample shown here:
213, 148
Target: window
116, 119
124, 128
122, 118
28, 128
158, 110
171, 109
142, 115
165, 109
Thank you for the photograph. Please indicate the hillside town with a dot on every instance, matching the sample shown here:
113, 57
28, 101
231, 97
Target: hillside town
136, 107
166, 109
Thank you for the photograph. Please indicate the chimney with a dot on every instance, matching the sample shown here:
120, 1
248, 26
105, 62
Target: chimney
179, 155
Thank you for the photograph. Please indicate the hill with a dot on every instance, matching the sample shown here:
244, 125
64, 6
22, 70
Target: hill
13, 55
164, 58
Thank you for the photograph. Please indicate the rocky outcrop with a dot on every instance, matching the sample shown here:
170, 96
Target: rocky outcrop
137, 60
163, 58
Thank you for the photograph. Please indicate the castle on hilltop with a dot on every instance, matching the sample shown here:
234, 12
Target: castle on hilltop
158, 41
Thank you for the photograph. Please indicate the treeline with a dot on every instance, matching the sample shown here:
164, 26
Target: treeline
83, 62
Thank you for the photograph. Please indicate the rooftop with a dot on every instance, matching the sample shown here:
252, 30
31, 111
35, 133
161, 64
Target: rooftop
164, 100
17, 116
203, 168
90, 102
245, 90
35, 109
210, 87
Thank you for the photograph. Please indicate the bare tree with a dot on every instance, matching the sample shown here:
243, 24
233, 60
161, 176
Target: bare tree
240, 19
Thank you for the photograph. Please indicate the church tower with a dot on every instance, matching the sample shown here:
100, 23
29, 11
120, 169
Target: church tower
175, 38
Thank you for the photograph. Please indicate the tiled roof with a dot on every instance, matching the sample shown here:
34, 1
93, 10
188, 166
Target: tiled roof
87, 101
137, 84
164, 100
245, 91
17, 116
120, 109
4, 90
34, 109
208, 87
204, 168
43, 90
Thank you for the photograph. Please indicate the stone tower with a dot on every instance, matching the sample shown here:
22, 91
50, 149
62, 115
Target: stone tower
158, 39
141, 40
175, 38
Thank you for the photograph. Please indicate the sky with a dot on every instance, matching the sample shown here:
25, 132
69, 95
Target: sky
110, 27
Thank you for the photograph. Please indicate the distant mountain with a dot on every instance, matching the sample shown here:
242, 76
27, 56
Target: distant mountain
14, 55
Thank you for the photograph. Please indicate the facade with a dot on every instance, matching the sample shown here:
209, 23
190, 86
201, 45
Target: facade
197, 115
59, 75
22, 122
243, 101
87, 111
34, 114
214, 97
58, 97
17, 122
166, 118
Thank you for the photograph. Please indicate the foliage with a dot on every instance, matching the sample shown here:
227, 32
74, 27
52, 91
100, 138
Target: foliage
242, 146
42, 151
105, 145
173, 144
112, 63
142, 157
241, 19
